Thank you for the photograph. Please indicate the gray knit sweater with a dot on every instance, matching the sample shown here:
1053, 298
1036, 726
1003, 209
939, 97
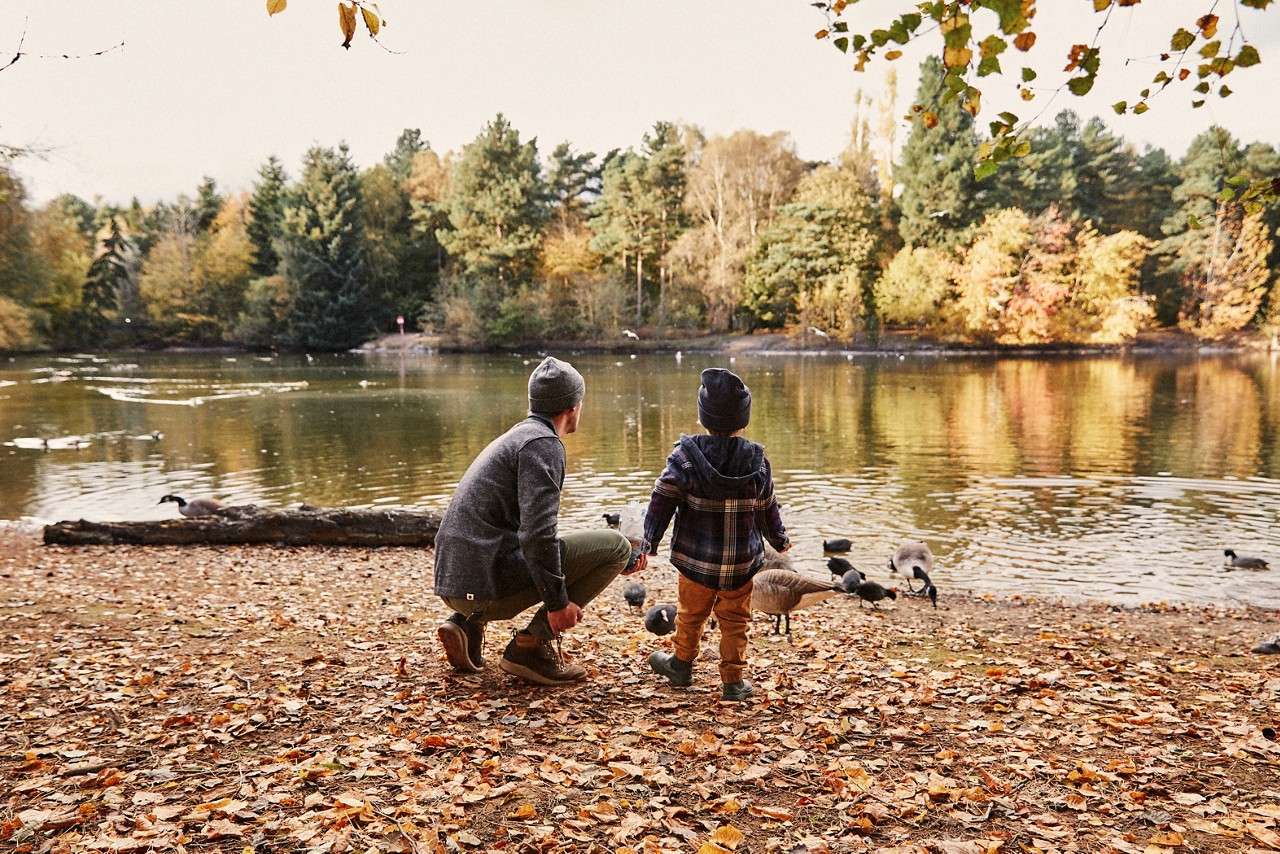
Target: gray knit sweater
498, 535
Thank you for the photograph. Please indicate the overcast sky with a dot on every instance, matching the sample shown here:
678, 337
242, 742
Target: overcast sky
214, 86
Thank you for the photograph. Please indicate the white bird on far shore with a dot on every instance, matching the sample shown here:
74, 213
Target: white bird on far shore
631, 335
816, 331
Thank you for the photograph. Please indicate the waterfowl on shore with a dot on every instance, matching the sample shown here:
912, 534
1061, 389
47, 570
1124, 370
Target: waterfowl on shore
634, 594
869, 591
841, 567
194, 508
613, 520
661, 619
908, 558
840, 545
1235, 561
851, 579
777, 592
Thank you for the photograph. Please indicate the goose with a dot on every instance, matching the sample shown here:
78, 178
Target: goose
778, 593
840, 545
869, 591
195, 507
816, 331
634, 594
613, 520
661, 619
1235, 561
911, 557
631, 335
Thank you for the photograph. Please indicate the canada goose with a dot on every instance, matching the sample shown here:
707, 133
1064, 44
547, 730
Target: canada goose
777, 592
932, 593
816, 331
634, 594
908, 558
839, 545
1235, 561
631, 335
661, 619
1270, 646
195, 507
613, 520
869, 591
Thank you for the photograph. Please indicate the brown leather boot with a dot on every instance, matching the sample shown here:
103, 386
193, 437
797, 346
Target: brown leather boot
461, 640
536, 660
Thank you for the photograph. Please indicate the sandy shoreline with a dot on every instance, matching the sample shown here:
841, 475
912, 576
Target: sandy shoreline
219, 698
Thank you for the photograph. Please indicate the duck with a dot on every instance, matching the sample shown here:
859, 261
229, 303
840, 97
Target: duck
1235, 561
634, 594
778, 592
613, 520
840, 545
869, 591
911, 557
194, 508
661, 619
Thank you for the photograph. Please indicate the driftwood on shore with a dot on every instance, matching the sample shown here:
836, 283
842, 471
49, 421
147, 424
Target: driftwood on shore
250, 524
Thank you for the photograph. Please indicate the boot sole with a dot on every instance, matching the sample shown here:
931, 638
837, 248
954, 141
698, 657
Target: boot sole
454, 641
530, 675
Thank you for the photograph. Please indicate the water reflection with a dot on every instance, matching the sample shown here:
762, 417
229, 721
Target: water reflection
1114, 477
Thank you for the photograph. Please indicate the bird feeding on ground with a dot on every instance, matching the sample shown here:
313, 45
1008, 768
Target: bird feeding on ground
841, 567
777, 592
869, 591
840, 545
851, 579
1235, 561
634, 594
660, 619
908, 558
194, 508
613, 520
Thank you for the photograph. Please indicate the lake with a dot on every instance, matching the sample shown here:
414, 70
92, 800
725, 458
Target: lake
1112, 477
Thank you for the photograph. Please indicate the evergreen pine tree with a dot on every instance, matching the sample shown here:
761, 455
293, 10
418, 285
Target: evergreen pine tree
107, 278
266, 211
322, 254
208, 203
400, 159
573, 182
665, 181
496, 203
940, 196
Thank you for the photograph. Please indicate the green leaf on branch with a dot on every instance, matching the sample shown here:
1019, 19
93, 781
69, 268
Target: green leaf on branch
842, 44
1140, 108
1248, 56
1120, 107
1182, 40
1029, 74
1080, 85
985, 169
1210, 49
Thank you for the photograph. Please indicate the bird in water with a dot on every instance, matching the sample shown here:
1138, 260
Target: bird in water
840, 545
777, 592
909, 558
1235, 561
194, 508
613, 520
634, 594
869, 591
661, 619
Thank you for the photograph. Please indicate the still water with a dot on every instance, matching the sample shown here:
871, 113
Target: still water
1110, 477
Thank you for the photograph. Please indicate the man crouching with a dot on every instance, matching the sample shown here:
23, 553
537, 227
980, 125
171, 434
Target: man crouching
497, 552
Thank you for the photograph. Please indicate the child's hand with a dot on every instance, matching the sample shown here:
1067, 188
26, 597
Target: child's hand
642, 561
785, 548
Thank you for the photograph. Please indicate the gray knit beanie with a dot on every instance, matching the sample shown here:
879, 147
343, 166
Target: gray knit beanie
554, 386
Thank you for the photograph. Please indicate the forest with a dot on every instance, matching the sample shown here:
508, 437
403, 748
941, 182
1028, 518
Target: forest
1085, 239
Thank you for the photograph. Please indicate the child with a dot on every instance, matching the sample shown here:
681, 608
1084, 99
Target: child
720, 489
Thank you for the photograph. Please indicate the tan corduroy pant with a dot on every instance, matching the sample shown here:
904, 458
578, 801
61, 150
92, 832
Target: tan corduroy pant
733, 610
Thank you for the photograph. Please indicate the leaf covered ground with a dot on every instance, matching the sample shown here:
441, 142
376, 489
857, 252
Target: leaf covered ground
255, 699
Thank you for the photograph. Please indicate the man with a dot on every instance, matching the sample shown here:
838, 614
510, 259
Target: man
497, 553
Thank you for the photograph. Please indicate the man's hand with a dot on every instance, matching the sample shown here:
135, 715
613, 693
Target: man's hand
641, 562
564, 619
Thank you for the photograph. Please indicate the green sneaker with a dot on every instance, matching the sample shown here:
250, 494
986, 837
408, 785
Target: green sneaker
678, 673
736, 692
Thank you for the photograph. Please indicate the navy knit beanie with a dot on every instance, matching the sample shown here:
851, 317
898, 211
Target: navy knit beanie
724, 401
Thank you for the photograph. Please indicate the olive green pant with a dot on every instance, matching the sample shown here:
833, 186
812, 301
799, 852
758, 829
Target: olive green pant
589, 561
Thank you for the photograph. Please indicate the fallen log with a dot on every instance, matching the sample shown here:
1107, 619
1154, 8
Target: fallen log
250, 524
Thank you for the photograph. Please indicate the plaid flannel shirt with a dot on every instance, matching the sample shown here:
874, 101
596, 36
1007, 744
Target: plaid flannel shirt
720, 522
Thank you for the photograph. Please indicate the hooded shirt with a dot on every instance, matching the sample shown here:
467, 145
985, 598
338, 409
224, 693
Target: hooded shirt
720, 491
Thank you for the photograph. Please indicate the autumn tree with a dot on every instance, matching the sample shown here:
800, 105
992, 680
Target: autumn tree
1225, 274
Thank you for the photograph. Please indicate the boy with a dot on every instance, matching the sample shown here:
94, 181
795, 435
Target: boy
720, 489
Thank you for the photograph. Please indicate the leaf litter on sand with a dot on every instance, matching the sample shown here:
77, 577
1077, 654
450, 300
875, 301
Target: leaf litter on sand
249, 698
